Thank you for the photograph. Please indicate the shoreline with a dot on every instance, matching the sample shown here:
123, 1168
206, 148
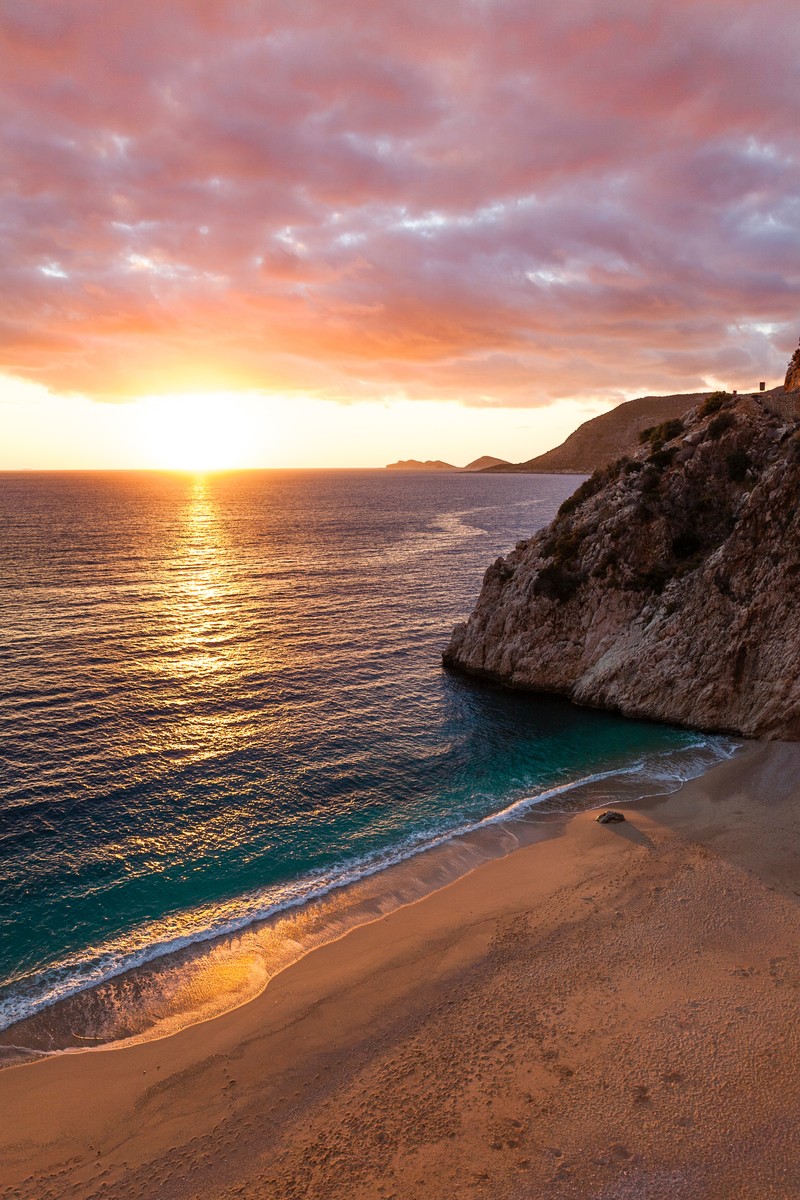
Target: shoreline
218, 971
452, 858
612, 1008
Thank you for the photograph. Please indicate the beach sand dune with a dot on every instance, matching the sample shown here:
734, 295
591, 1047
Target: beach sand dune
608, 1014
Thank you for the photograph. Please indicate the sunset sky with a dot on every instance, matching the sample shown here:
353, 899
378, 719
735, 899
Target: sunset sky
315, 233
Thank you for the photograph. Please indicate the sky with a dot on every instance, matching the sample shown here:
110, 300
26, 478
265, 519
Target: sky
299, 232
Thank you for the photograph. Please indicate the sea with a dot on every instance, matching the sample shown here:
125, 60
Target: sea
226, 735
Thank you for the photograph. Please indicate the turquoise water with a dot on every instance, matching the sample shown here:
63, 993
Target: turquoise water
223, 695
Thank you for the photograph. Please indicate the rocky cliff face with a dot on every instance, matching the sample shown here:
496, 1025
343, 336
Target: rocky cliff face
667, 587
792, 383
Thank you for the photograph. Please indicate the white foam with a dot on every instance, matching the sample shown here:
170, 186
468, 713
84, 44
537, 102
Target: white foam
661, 773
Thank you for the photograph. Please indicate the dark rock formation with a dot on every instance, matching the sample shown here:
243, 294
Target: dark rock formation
667, 586
609, 817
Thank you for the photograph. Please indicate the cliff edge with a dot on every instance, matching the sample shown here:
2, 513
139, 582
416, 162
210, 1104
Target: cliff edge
666, 587
792, 381
604, 438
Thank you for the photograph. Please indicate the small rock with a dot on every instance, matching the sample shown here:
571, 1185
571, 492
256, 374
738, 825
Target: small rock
609, 817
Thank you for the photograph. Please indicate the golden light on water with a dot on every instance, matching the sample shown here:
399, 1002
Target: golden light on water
200, 608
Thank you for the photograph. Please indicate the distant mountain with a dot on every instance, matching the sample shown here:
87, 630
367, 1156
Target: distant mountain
609, 436
480, 464
413, 464
436, 464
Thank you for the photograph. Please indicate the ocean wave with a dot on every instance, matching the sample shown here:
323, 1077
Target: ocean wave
657, 774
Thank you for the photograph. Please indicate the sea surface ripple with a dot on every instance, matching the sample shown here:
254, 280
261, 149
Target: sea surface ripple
221, 696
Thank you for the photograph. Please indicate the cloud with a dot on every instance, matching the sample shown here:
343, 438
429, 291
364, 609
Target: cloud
496, 201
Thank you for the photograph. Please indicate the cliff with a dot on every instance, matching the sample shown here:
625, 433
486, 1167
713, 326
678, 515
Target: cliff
608, 436
667, 585
792, 383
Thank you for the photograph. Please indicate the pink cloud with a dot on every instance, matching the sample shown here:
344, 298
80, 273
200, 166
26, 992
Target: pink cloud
498, 202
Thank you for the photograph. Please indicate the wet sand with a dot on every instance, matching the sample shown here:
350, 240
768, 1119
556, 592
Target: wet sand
609, 1013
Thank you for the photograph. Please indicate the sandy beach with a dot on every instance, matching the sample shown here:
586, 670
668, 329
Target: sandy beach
609, 1013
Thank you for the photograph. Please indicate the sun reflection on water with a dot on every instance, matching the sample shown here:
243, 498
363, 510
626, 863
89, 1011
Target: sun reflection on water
194, 648
202, 626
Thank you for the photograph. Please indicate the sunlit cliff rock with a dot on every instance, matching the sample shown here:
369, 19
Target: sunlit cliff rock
792, 383
668, 585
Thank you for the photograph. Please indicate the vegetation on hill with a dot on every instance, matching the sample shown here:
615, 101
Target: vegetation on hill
612, 434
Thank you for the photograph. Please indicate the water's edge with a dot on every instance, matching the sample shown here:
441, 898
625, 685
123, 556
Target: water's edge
211, 971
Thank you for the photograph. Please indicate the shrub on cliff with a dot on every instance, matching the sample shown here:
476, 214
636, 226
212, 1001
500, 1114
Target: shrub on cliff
557, 583
591, 486
650, 480
713, 403
663, 458
721, 424
562, 548
657, 435
738, 463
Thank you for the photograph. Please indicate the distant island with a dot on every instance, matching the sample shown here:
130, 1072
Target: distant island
436, 464
414, 464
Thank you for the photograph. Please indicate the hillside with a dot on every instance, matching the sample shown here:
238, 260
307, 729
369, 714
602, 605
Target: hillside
666, 586
414, 464
608, 436
481, 464
436, 464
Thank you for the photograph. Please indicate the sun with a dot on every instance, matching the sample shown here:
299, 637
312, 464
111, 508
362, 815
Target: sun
197, 431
